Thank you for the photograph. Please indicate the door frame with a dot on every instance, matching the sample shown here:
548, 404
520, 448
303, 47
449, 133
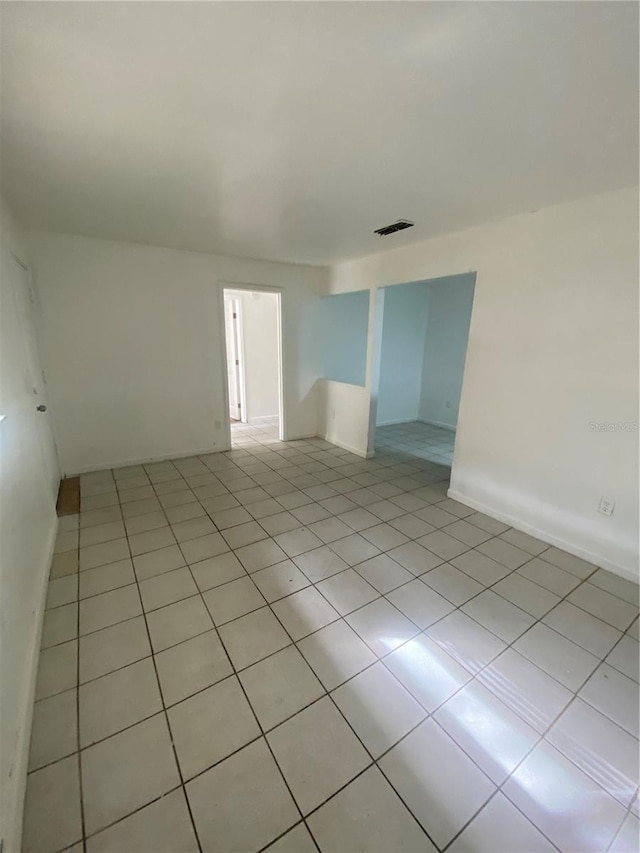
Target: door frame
239, 352
282, 400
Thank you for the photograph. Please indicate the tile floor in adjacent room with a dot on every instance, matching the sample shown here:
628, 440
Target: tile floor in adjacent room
288, 645
417, 439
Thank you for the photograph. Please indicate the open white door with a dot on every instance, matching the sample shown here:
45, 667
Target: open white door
232, 309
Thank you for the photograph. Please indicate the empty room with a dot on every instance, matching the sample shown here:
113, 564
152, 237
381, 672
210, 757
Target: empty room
319, 346
421, 352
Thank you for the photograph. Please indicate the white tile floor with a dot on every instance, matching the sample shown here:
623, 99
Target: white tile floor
292, 648
420, 440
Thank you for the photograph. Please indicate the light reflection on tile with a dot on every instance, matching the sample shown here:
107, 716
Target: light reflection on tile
435, 694
466, 641
528, 691
569, 807
493, 735
426, 671
628, 839
439, 783
378, 708
381, 626
600, 748
501, 828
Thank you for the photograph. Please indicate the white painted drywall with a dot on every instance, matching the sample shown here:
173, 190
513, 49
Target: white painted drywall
134, 348
346, 411
260, 343
342, 329
445, 348
404, 329
27, 529
553, 348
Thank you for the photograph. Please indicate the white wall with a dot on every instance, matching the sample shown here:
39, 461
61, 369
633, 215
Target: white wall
345, 418
425, 329
260, 337
346, 411
445, 348
404, 328
342, 328
553, 347
27, 529
134, 349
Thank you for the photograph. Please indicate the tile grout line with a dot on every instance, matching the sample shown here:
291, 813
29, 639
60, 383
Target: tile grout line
380, 595
326, 695
165, 714
354, 567
511, 571
79, 759
341, 618
234, 673
469, 548
540, 738
428, 715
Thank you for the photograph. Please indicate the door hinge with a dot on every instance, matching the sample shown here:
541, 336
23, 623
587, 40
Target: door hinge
239, 405
235, 316
237, 361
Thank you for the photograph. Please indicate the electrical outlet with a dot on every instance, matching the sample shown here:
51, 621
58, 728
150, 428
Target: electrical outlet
607, 505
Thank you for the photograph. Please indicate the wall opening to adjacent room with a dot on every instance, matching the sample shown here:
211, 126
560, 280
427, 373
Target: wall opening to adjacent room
420, 344
253, 352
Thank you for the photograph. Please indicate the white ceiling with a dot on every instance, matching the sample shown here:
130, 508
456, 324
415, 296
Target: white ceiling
291, 131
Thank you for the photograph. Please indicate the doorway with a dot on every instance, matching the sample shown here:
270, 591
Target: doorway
253, 351
421, 341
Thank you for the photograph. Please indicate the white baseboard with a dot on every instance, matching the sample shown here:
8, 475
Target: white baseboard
346, 447
416, 420
438, 424
12, 833
222, 448
570, 547
397, 422
261, 418
147, 460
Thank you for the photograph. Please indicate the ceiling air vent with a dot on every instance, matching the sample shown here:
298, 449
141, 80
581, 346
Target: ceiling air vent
400, 225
